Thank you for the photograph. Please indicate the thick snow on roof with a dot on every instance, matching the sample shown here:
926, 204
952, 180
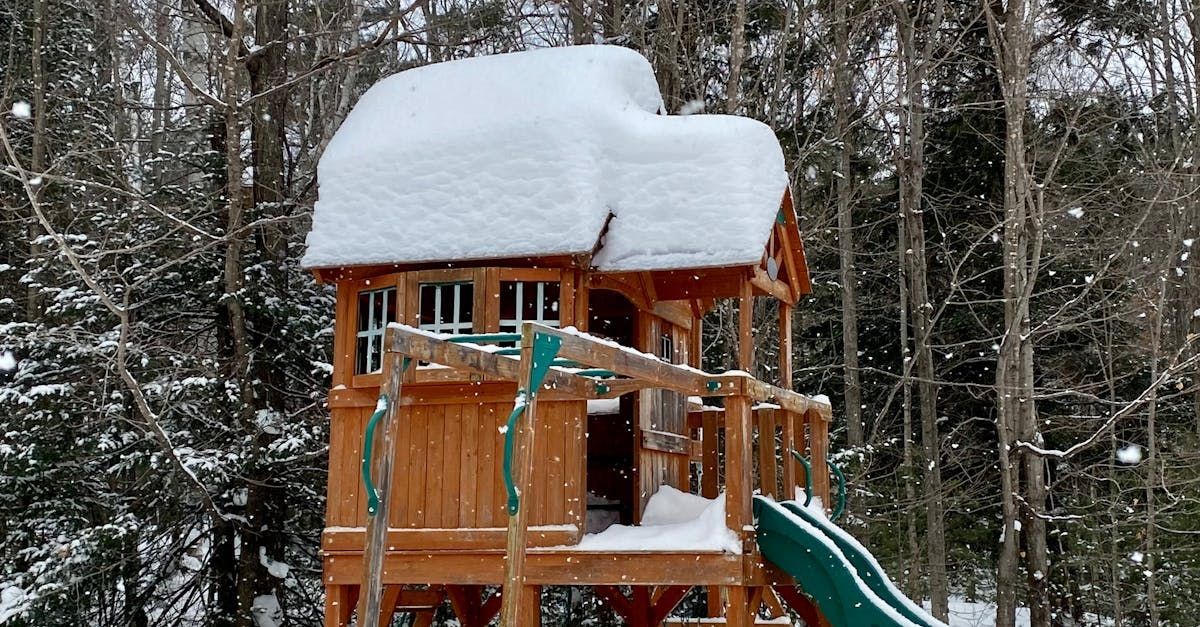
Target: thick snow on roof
527, 154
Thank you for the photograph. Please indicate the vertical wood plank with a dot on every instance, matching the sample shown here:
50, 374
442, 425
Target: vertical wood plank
452, 437
574, 469
485, 510
417, 481
566, 300
491, 310
435, 449
343, 335
353, 464
479, 315
468, 465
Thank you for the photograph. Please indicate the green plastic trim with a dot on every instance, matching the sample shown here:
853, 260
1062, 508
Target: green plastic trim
485, 338
602, 388
545, 348
832, 569
779, 219
713, 386
369, 445
514, 499
807, 476
841, 502
597, 372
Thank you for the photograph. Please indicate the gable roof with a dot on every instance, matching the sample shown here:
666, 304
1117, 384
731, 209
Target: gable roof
557, 151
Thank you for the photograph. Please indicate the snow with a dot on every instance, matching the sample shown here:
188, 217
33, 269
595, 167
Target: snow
7, 361
673, 521
1130, 455
266, 611
538, 153
598, 406
21, 110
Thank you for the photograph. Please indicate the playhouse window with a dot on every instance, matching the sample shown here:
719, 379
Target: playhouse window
447, 307
528, 301
376, 308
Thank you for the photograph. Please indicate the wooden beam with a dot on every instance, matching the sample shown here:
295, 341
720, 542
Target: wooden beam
780, 290
667, 599
380, 462
549, 567
404, 539
616, 600
418, 345
666, 442
515, 609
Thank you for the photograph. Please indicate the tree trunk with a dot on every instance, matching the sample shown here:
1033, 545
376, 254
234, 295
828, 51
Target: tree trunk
37, 160
843, 104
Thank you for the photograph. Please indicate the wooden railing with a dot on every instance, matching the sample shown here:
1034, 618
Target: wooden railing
776, 433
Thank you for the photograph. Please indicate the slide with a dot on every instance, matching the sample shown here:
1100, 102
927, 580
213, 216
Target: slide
833, 569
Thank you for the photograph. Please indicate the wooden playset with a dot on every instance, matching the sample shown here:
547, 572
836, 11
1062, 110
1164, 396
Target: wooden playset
488, 412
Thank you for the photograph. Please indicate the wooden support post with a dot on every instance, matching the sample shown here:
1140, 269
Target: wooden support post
767, 464
785, 346
738, 612
339, 605
710, 486
789, 463
516, 602
738, 478
384, 453
746, 328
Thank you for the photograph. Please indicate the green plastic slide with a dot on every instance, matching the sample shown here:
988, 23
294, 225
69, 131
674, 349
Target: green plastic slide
833, 569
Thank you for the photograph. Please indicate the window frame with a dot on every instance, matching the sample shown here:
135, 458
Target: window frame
485, 312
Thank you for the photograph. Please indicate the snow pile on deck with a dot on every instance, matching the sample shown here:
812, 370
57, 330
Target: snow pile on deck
528, 154
673, 521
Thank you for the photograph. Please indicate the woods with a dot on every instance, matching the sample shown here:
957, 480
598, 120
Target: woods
1000, 204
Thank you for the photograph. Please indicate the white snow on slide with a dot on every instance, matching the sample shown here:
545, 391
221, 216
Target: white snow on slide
528, 154
673, 521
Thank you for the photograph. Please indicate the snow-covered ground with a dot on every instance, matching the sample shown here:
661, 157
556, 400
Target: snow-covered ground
964, 613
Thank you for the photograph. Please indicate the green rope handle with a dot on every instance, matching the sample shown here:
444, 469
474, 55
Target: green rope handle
838, 509
514, 499
808, 492
368, 445
841, 502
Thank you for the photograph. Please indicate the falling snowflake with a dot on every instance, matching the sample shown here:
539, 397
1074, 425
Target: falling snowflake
21, 110
1130, 455
1075, 212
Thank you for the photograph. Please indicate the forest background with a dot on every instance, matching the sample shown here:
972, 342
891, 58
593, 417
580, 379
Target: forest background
999, 200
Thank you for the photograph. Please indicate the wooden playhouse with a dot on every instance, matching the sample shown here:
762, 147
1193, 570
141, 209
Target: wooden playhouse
545, 331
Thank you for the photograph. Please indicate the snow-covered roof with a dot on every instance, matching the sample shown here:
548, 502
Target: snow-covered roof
528, 154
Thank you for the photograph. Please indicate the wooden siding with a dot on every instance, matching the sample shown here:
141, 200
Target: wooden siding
448, 464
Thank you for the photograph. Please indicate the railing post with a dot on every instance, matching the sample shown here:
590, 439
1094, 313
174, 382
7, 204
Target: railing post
767, 463
818, 444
